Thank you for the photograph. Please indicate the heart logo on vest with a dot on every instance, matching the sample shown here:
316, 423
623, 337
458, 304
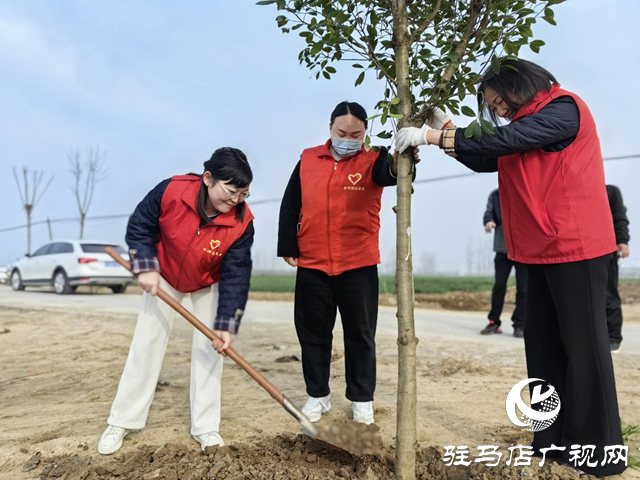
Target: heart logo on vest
355, 178
214, 244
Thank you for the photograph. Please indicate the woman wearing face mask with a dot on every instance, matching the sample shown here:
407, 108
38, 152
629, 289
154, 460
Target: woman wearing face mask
556, 219
329, 222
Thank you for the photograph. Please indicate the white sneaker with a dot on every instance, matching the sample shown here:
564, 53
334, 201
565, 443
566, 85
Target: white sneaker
315, 407
111, 440
363, 412
209, 440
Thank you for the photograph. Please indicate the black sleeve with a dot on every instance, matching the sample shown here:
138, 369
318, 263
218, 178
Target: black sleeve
235, 279
619, 214
290, 216
558, 122
481, 165
489, 214
381, 172
143, 229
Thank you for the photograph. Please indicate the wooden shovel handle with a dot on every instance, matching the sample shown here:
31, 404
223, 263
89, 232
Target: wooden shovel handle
207, 332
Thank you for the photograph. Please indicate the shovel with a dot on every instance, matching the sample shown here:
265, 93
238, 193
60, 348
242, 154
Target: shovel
353, 437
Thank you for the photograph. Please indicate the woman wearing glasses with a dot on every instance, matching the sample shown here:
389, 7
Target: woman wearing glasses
191, 234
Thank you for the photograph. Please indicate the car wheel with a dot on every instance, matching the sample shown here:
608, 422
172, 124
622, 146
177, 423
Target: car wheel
16, 281
118, 288
61, 283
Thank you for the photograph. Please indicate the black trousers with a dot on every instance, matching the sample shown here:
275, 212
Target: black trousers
317, 298
614, 305
503, 269
567, 345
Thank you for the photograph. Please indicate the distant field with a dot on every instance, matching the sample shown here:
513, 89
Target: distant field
286, 283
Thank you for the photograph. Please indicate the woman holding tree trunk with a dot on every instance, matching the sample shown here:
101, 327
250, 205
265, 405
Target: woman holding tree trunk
557, 220
328, 229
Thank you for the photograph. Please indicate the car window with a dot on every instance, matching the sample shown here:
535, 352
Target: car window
61, 247
42, 250
99, 248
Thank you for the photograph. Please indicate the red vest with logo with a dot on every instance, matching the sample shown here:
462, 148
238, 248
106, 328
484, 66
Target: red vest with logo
554, 204
340, 215
191, 256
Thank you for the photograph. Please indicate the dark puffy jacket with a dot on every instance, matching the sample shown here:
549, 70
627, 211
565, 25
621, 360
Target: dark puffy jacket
619, 213
493, 214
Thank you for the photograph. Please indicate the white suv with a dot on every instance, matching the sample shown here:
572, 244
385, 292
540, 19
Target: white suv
67, 264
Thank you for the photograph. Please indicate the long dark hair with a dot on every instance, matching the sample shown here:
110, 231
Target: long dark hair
352, 108
227, 164
518, 82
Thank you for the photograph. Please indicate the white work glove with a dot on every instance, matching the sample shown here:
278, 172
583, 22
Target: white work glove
410, 137
437, 118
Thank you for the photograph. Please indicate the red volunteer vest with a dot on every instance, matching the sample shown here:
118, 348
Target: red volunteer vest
340, 215
191, 256
554, 204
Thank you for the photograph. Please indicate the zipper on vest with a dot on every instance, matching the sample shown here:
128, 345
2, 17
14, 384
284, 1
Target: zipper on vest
335, 167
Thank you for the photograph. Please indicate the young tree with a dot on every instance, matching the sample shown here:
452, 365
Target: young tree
86, 174
30, 197
428, 54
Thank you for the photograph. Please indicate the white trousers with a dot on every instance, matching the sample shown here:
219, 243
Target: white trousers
142, 370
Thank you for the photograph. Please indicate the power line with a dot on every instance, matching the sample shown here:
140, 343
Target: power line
271, 200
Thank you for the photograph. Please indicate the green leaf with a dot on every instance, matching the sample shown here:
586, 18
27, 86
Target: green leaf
468, 132
367, 143
477, 131
375, 149
395, 101
374, 116
266, 2
487, 126
385, 135
525, 31
468, 111
330, 69
282, 20
385, 115
535, 45
357, 65
389, 159
549, 16
397, 116
326, 75
495, 64
360, 79
316, 49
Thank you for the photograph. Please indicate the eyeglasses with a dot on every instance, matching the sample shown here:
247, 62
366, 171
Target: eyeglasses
234, 196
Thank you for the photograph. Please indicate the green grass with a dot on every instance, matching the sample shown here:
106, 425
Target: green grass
629, 431
286, 283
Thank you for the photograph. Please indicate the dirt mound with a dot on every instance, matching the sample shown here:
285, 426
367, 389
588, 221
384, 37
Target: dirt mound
278, 458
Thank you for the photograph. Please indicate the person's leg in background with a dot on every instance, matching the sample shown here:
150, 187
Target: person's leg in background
614, 305
502, 270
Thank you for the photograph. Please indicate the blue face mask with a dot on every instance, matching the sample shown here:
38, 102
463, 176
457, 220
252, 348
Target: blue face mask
346, 147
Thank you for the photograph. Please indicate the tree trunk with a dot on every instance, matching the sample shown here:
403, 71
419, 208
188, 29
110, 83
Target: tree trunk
406, 438
82, 215
28, 231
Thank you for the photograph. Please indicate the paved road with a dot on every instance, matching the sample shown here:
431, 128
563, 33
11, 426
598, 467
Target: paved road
444, 324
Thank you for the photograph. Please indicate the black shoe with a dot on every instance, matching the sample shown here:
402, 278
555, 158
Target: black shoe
615, 347
518, 332
492, 328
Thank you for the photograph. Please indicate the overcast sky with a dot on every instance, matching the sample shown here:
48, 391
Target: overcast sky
161, 84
